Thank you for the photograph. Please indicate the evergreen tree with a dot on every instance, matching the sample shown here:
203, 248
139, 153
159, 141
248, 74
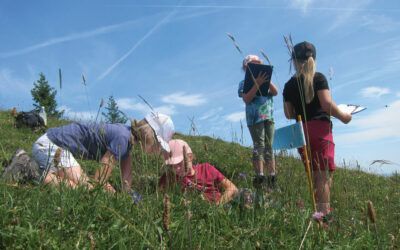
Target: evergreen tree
44, 95
114, 115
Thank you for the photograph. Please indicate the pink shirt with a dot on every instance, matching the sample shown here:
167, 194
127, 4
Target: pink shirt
206, 180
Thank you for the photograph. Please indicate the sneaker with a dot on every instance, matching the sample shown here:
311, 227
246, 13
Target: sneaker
260, 182
271, 180
21, 168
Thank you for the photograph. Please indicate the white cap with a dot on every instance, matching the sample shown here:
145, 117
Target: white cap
163, 127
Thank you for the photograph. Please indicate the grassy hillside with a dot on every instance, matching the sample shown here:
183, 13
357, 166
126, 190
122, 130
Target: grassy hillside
42, 217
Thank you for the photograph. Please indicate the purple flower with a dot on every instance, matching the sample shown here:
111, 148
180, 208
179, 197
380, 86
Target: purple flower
242, 176
136, 197
318, 216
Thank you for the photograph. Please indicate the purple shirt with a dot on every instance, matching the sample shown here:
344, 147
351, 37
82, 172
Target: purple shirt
92, 141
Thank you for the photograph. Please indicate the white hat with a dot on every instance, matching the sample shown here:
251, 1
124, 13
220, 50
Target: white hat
163, 127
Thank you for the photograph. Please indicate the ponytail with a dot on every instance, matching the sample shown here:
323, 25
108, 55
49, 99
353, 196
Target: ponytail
307, 70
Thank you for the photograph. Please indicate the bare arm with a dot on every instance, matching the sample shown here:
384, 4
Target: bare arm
230, 190
273, 90
103, 174
289, 110
126, 172
330, 107
260, 80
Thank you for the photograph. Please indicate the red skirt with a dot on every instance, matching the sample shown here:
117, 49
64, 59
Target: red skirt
320, 140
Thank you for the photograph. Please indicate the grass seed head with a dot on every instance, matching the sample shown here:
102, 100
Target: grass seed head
205, 147
371, 212
166, 212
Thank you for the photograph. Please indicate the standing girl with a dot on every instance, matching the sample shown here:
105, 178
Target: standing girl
307, 94
260, 121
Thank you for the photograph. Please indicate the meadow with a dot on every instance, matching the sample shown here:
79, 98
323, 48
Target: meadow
40, 217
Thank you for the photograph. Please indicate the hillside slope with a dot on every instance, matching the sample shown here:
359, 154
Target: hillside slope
38, 216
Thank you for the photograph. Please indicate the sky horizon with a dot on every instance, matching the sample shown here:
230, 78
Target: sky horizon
177, 56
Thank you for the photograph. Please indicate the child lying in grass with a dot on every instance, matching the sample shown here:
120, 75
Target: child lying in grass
203, 177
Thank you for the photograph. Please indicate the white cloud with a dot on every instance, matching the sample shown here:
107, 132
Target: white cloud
137, 44
379, 23
181, 98
398, 94
78, 115
75, 36
211, 113
349, 9
381, 124
374, 92
302, 4
11, 84
133, 105
235, 117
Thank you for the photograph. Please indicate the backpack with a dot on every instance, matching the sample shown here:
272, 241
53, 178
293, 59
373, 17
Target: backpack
29, 119
21, 169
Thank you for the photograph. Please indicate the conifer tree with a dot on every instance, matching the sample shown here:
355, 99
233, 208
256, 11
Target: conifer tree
114, 115
44, 95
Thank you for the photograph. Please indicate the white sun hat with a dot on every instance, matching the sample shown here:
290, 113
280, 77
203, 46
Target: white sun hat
163, 127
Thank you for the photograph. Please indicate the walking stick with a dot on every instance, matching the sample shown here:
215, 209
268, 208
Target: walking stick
308, 171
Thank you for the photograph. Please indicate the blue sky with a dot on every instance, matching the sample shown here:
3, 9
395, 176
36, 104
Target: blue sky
176, 55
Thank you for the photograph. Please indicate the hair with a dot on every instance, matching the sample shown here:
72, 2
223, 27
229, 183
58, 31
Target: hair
142, 133
307, 70
250, 59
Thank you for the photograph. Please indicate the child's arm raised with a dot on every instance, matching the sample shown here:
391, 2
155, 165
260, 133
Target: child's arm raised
230, 190
260, 80
273, 90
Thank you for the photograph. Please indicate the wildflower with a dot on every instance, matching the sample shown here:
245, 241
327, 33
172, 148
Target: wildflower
136, 197
318, 216
242, 176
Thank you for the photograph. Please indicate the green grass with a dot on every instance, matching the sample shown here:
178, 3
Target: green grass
43, 217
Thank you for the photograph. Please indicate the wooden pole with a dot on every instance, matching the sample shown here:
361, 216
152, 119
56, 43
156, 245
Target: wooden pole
308, 171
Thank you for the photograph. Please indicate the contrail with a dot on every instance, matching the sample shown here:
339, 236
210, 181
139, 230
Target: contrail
253, 7
71, 37
148, 34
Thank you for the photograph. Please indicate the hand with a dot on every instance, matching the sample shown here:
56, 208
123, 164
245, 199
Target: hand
346, 118
261, 78
109, 188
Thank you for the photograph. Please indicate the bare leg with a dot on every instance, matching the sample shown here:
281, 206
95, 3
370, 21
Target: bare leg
258, 166
322, 184
271, 166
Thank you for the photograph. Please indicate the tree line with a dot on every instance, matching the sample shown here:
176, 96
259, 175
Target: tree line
44, 95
